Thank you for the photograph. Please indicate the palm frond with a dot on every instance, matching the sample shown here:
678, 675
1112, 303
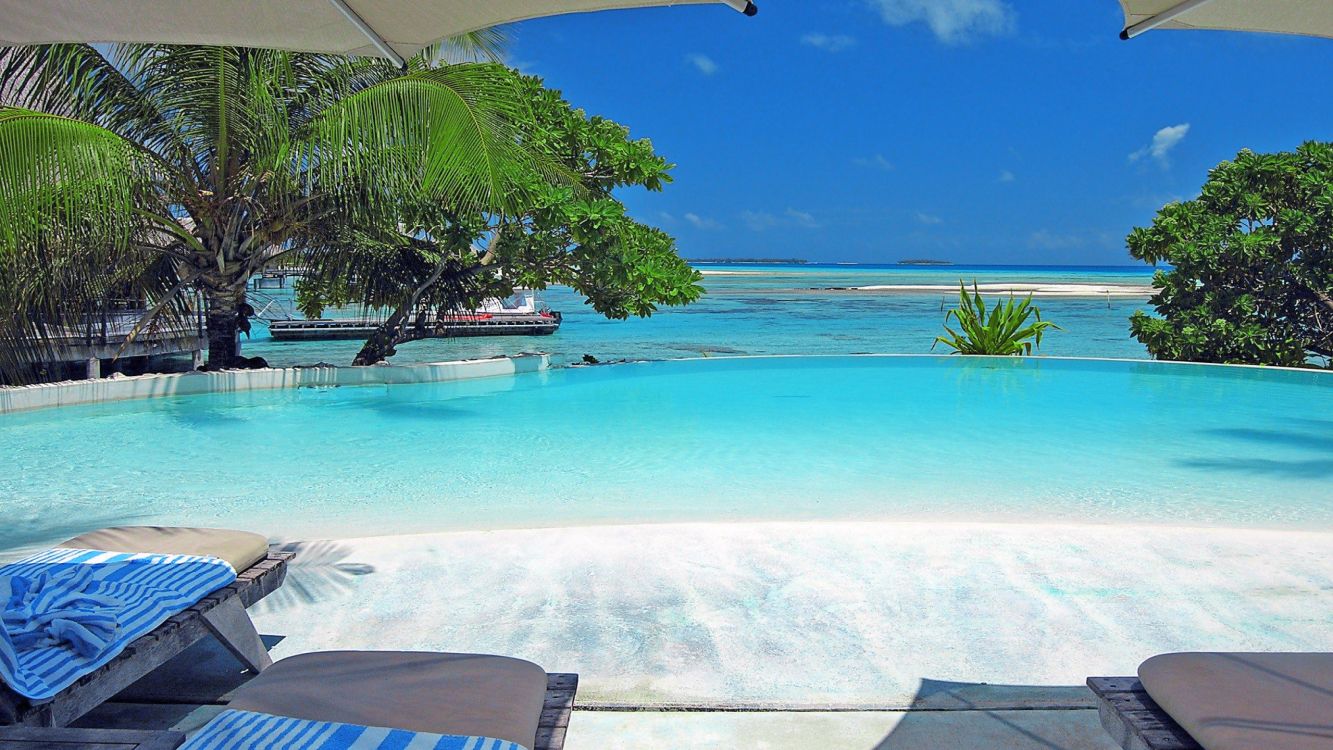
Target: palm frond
72, 229
483, 45
79, 82
452, 134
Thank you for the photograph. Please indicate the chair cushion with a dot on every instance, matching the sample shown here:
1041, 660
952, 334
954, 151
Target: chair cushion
467, 694
240, 548
1242, 701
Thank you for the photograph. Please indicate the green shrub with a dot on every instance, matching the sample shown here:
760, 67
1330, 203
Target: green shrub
1003, 330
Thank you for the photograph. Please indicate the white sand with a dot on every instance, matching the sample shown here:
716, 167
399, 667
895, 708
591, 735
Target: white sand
1020, 288
807, 613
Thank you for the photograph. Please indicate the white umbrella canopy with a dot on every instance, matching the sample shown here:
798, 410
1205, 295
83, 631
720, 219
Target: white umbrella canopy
392, 29
1308, 17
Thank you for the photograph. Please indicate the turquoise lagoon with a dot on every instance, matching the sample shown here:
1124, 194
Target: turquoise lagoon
743, 439
776, 309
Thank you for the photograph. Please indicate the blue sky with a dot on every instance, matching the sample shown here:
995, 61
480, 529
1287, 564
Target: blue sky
972, 130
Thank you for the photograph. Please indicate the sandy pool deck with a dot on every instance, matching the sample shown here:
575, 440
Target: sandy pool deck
873, 616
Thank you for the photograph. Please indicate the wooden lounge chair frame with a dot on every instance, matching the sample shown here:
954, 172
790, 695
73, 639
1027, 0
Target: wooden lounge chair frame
1134, 719
64, 738
560, 690
220, 614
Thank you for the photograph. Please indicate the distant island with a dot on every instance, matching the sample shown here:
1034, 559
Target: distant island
924, 262
752, 261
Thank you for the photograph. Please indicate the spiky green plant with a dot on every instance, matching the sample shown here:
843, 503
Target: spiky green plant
155, 170
1002, 330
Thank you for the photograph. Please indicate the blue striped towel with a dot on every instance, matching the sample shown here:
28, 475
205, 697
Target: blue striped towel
67, 612
246, 730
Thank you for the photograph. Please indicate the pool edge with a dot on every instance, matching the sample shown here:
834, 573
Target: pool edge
75, 392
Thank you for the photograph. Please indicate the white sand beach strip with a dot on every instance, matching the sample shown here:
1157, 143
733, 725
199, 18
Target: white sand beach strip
1017, 288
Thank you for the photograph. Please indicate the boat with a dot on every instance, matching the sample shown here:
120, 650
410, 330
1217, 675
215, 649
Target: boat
517, 315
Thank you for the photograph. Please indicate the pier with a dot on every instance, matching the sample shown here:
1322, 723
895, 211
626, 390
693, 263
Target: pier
276, 277
444, 326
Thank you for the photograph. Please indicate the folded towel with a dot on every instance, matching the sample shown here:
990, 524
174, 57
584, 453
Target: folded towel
247, 730
67, 612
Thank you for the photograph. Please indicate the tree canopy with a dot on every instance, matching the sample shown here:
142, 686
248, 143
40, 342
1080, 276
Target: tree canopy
573, 232
1251, 264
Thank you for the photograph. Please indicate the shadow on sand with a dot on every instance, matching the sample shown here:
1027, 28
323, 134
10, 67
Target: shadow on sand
319, 572
1015, 717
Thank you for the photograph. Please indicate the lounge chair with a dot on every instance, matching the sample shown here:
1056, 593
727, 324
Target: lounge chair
220, 613
464, 696
1221, 701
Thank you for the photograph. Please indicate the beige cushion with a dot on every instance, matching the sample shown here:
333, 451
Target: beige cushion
1246, 701
240, 548
467, 694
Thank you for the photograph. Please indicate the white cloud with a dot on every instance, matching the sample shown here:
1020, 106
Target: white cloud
802, 218
759, 221
877, 161
525, 67
1162, 142
1045, 239
829, 42
703, 62
930, 219
952, 21
701, 222
1006, 176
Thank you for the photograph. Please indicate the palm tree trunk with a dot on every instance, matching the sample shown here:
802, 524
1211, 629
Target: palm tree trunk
223, 326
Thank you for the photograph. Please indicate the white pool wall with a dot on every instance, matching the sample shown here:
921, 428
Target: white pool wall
69, 393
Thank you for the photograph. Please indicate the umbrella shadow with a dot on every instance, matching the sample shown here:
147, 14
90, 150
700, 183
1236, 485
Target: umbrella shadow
1020, 717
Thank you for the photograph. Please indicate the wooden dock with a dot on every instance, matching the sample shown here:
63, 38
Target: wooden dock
104, 335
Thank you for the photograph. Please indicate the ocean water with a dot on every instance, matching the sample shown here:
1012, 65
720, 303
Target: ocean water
775, 309
743, 439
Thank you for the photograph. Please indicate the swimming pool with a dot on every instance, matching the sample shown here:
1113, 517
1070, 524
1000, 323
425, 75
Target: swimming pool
829, 438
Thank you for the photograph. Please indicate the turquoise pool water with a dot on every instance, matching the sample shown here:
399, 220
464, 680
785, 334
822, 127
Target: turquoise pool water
882, 438
776, 309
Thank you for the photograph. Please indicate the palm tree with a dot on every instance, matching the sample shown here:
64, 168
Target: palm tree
155, 170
